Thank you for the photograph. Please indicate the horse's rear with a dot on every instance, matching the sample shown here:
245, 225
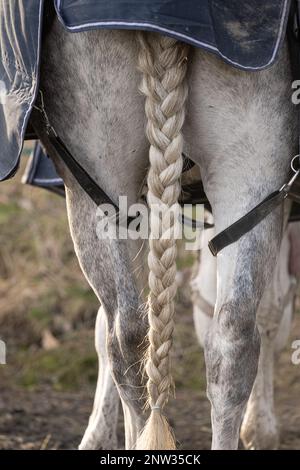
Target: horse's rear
239, 127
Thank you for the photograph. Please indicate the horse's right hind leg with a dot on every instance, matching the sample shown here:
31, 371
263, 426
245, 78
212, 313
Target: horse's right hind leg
234, 120
101, 432
259, 429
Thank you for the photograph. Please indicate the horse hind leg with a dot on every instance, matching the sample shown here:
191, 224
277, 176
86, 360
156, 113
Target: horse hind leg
107, 266
101, 432
246, 142
259, 428
107, 136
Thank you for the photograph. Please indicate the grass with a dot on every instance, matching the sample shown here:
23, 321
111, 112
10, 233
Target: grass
71, 366
40, 315
42, 287
8, 211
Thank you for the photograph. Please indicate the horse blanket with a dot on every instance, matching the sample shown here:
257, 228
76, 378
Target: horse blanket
40, 171
247, 34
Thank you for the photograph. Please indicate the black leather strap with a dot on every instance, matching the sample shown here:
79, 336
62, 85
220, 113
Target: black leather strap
92, 188
87, 183
246, 223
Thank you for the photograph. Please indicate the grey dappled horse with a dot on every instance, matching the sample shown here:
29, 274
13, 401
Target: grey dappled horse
240, 128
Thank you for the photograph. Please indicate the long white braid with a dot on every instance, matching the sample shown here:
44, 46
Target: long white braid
163, 62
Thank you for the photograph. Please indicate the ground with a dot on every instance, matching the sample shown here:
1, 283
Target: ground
47, 418
47, 314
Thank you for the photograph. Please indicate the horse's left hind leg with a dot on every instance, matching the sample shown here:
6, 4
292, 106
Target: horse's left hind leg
94, 102
109, 268
101, 432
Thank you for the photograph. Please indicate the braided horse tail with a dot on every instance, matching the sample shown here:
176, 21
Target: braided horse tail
163, 63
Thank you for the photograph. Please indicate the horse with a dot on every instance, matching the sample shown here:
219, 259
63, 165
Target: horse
101, 90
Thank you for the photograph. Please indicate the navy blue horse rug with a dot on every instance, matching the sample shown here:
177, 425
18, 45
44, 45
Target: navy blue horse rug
247, 34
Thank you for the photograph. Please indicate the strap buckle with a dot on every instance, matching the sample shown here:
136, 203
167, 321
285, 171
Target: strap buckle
42, 110
295, 166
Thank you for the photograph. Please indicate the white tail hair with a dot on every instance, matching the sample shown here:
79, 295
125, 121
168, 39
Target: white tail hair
163, 63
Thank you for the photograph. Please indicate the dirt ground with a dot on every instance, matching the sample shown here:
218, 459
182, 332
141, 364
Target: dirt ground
46, 418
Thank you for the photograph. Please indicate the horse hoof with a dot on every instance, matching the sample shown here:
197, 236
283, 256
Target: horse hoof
90, 442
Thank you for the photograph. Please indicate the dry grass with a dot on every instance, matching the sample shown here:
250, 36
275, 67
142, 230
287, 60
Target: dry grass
41, 285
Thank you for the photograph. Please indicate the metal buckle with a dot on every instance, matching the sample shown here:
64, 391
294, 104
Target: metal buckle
287, 186
295, 170
293, 163
42, 110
